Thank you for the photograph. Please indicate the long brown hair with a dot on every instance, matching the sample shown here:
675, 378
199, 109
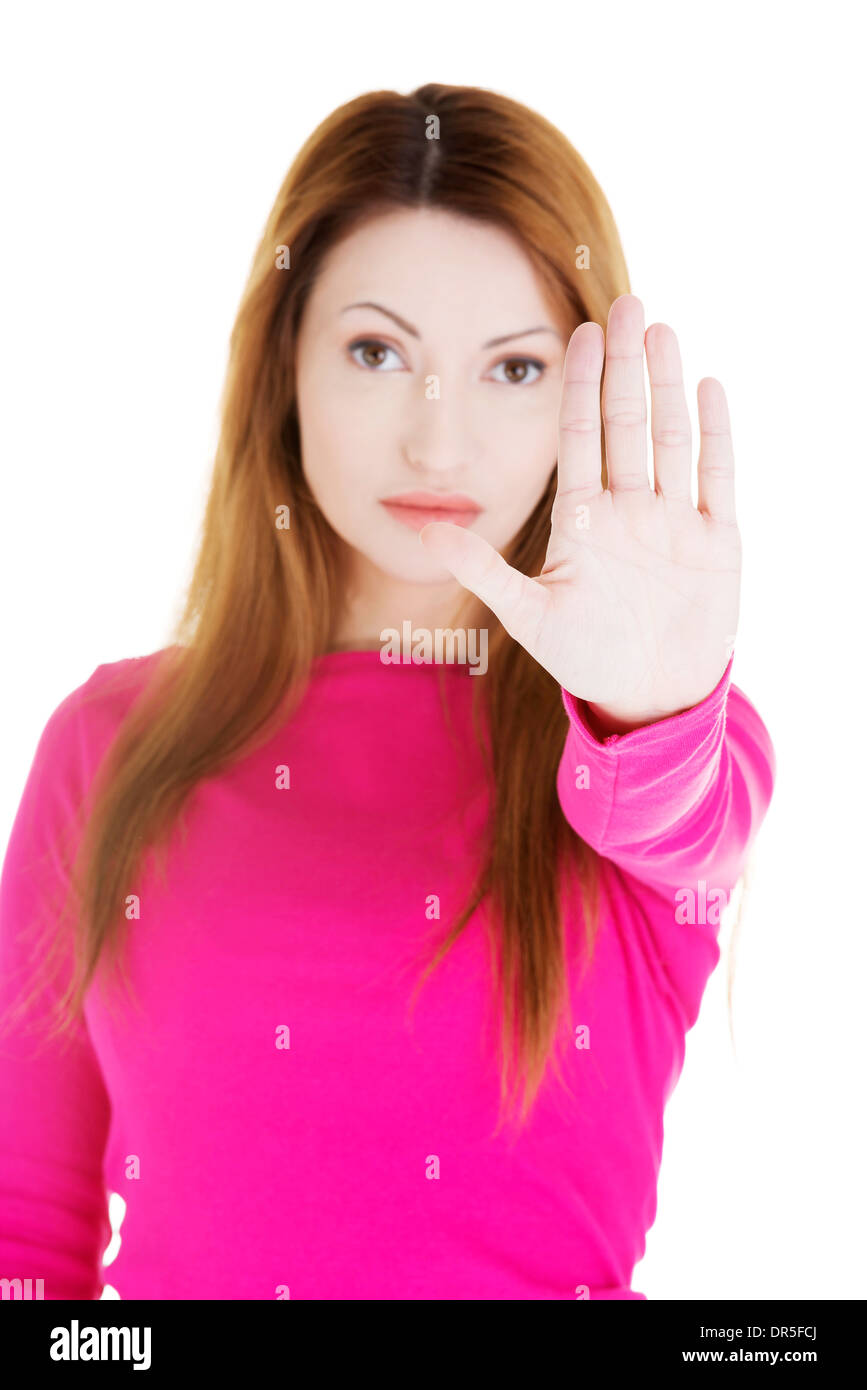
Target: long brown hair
263, 600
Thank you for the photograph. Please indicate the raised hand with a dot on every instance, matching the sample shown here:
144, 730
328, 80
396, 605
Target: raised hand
636, 607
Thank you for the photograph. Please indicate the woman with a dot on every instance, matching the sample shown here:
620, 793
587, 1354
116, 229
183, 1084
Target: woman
412, 845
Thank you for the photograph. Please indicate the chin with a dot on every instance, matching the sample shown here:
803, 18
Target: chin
403, 559
424, 570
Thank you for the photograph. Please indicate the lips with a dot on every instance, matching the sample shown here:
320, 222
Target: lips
416, 509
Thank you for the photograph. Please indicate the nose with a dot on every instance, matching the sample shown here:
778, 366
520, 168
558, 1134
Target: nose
440, 439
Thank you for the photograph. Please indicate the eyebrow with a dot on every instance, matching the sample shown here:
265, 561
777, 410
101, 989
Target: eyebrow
414, 333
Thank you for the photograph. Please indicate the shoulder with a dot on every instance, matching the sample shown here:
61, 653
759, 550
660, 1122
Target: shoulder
80, 728
114, 687
67, 754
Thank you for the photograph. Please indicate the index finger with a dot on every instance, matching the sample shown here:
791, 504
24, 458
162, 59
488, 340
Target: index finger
579, 452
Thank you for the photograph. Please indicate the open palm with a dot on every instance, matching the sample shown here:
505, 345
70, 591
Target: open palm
636, 607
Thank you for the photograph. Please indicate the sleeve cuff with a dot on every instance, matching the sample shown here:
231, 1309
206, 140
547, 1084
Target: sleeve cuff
687, 729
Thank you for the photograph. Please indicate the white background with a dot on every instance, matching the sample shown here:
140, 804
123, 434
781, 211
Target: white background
143, 147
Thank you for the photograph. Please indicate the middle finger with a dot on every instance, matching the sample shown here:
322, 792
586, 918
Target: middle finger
624, 405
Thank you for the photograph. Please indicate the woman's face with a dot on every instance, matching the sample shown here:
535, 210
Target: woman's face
449, 389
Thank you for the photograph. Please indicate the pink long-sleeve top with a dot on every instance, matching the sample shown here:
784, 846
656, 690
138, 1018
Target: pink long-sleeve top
277, 1121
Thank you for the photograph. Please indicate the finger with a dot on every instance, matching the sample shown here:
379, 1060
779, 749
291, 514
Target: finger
669, 415
716, 459
579, 453
624, 405
517, 601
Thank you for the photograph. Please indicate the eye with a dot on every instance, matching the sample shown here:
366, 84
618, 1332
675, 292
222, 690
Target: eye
524, 365
370, 346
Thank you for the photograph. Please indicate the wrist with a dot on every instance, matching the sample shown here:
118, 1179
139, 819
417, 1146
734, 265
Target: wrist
607, 719
623, 719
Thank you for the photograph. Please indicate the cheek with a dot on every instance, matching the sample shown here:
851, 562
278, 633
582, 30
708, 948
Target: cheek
525, 469
325, 437
342, 429
524, 499
337, 464
527, 433
522, 482
330, 478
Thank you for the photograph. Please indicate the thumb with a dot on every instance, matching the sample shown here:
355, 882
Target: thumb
517, 601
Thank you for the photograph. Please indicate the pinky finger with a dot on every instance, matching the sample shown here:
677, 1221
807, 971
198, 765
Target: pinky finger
716, 460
